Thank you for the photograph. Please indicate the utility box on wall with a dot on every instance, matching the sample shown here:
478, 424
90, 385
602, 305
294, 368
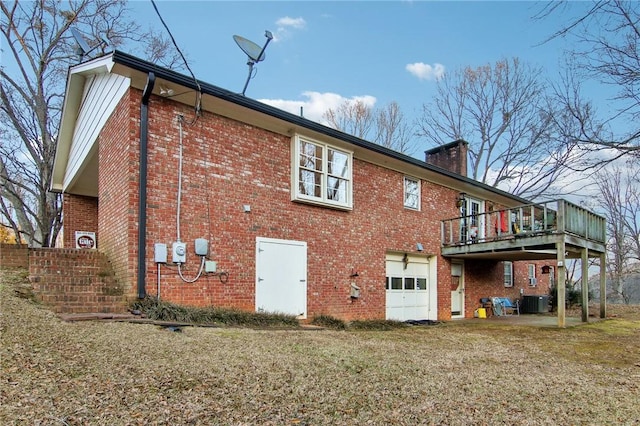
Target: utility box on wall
355, 291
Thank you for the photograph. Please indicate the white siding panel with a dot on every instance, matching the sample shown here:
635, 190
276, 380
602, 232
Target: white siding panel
102, 93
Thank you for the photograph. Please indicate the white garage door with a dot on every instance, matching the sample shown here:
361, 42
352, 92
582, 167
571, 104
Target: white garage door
409, 294
281, 276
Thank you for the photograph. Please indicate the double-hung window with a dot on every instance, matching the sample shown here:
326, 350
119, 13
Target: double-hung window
411, 193
508, 274
531, 272
322, 174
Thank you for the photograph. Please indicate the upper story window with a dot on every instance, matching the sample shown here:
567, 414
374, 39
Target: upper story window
411, 193
322, 174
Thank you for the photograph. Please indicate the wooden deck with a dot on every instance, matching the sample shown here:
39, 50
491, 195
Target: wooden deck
556, 229
529, 232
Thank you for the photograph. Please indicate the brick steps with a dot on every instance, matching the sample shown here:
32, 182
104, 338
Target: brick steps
75, 281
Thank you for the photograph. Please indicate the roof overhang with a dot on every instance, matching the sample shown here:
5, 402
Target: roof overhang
184, 89
76, 79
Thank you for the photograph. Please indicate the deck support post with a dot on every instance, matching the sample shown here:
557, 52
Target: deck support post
585, 283
561, 286
603, 285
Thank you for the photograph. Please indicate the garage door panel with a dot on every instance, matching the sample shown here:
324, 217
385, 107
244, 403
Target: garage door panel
395, 299
407, 294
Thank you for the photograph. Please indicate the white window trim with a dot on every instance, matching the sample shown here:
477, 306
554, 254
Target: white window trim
504, 275
404, 192
531, 273
295, 175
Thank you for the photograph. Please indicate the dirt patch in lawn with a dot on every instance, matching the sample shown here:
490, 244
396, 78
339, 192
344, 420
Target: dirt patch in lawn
59, 373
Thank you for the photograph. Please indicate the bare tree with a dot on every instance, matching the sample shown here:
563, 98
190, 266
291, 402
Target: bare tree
632, 212
605, 37
38, 48
620, 202
353, 117
607, 40
393, 130
515, 135
385, 126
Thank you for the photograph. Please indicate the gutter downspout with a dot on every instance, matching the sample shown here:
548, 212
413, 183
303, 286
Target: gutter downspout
142, 205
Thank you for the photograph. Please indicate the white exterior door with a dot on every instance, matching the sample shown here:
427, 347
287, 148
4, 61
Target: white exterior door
457, 296
281, 276
472, 223
410, 293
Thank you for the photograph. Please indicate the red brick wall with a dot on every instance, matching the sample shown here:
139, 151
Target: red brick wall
227, 164
80, 214
118, 189
485, 279
14, 256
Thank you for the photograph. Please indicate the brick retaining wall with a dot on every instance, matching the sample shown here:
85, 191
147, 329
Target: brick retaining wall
69, 280
14, 256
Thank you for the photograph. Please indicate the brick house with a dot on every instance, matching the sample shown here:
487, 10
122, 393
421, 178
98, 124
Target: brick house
274, 212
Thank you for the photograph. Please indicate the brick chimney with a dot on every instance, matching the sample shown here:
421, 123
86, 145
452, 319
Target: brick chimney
451, 156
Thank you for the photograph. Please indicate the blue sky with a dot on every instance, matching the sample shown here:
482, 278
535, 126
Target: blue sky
324, 52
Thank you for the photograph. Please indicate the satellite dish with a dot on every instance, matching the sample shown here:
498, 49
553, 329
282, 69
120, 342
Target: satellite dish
83, 48
254, 53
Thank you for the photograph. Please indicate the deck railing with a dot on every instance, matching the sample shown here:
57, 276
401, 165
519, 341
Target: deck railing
557, 216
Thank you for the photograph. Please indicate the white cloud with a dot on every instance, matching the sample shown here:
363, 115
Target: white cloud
298, 23
316, 104
285, 25
426, 71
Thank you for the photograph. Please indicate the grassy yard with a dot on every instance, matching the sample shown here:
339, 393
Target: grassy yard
113, 373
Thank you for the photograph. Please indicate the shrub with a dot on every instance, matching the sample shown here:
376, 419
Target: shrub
167, 311
572, 297
376, 325
328, 321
